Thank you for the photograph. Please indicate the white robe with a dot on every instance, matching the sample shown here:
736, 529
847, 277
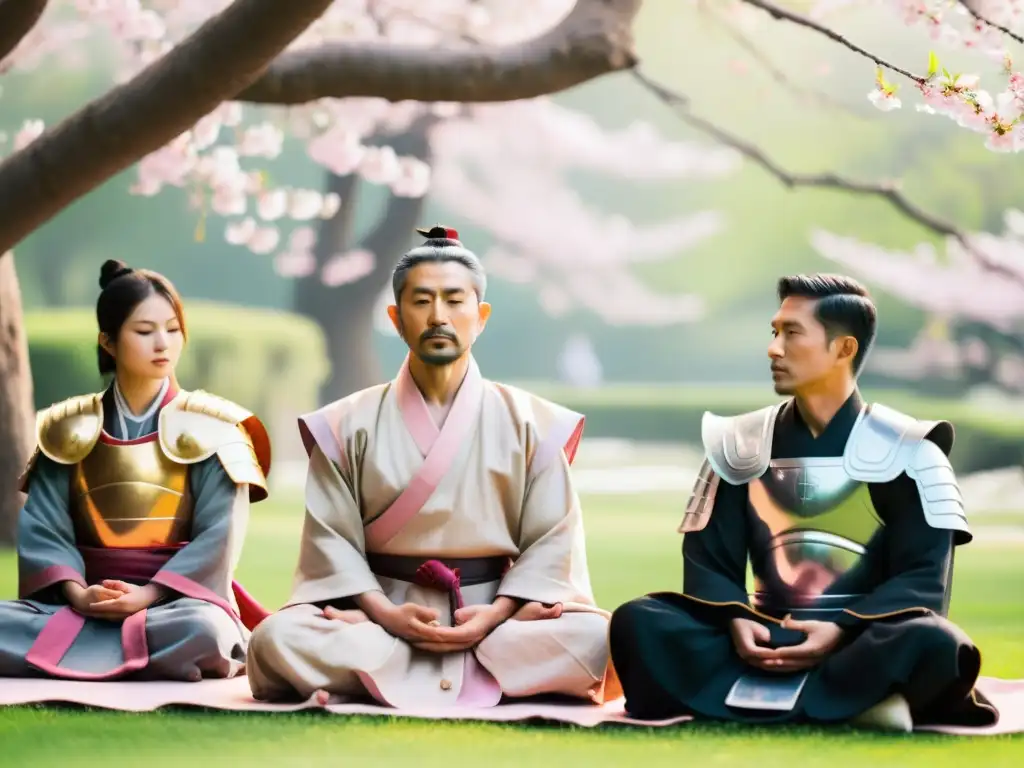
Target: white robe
493, 481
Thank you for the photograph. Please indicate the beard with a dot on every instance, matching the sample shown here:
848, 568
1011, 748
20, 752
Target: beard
443, 356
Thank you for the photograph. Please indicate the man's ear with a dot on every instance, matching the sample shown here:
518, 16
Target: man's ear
846, 348
396, 318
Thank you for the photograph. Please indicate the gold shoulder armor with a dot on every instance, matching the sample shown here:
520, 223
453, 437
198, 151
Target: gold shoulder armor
197, 425
68, 431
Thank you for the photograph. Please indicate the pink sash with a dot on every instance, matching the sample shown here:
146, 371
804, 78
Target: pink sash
134, 565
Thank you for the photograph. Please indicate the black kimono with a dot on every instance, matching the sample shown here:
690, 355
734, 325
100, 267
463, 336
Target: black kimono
855, 527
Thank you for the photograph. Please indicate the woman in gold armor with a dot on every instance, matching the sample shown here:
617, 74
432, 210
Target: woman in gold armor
138, 498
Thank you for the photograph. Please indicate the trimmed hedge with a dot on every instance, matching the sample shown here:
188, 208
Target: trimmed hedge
984, 439
271, 362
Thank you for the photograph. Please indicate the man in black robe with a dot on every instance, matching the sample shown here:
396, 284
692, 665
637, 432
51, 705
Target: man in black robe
847, 515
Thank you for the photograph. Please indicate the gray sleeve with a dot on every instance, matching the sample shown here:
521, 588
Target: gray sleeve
47, 555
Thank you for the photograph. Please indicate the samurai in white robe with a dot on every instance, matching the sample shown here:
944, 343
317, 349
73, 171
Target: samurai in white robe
443, 517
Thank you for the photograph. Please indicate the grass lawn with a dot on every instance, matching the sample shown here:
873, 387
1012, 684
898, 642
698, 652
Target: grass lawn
633, 549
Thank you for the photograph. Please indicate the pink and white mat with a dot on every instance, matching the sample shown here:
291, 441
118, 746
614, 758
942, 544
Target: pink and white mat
233, 695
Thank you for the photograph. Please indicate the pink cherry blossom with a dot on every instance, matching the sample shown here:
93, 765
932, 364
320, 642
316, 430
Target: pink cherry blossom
499, 165
240, 232
264, 140
30, 131
206, 131
885, 101
347, 267
338, 150
272, 204
302, 239
304, 204
959, 285
229, 198
264, 240
331, 204
1016, 84
294, 264
413, 178
171, 164
379, 165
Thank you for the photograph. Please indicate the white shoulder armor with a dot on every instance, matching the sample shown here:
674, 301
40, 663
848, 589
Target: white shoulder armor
739, 448
885, 443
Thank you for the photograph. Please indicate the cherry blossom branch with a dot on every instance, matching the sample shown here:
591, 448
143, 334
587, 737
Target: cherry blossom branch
827, 180
782, 14
969, 6
772, 69
110, 133
594, 39
17, 18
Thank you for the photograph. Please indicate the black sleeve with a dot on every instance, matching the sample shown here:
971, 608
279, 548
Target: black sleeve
715, 557
917, 558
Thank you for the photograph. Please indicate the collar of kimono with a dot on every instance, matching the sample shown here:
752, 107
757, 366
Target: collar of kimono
167, 393
440, 446
416, 415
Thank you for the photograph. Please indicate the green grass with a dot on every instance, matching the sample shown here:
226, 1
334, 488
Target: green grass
633, 549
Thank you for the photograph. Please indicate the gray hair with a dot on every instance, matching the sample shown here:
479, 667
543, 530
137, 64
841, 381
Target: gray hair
442, 245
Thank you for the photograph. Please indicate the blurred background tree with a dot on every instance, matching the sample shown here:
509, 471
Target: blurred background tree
615, 231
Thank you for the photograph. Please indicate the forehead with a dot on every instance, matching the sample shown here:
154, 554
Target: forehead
153, 309
440, 276
795, 309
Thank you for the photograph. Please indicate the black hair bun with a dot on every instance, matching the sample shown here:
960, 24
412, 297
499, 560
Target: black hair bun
111, 270
439, 233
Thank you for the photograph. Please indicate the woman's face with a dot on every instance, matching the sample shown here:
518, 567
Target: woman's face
150, 341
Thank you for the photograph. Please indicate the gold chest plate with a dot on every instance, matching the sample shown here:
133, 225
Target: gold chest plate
811, 524
130, 495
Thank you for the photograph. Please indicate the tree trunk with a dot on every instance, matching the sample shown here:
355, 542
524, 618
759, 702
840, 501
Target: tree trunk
17, 413
349, 332
345, 312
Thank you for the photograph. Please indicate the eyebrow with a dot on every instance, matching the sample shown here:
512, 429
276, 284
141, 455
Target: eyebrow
154, 322
788, 324
430, 292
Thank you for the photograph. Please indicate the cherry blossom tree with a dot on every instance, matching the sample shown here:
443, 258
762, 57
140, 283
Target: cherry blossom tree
392, 92
503, 168
509, 159
44, 173
974, 296
976, 332
184, 67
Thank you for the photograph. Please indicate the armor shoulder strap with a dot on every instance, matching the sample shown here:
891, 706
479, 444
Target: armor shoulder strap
702, 500
883, 441
66, 432
197, 425
941, 500
739, 448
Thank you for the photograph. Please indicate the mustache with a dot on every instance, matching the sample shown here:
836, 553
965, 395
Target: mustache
438, 333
